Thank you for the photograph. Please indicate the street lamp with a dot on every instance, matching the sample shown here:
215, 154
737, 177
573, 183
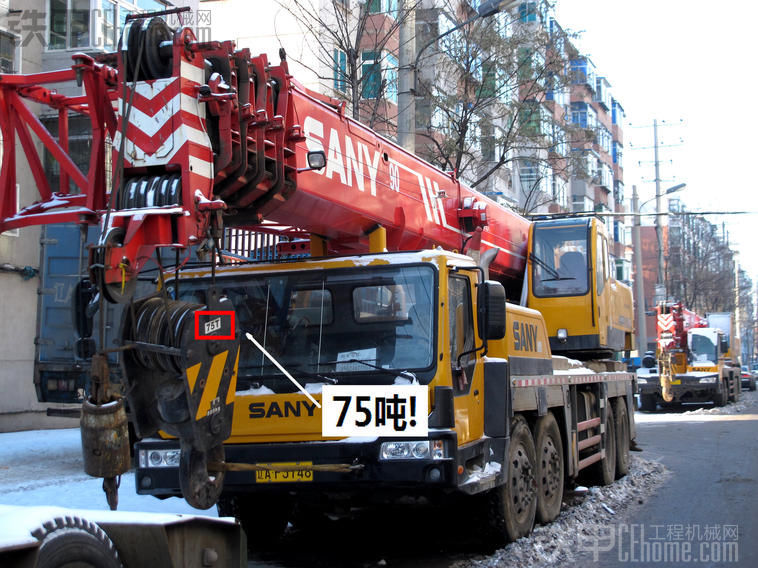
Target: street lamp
406, 102
636, 242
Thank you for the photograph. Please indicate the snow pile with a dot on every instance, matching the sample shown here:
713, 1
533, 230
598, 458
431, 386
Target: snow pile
748, 400
583, 515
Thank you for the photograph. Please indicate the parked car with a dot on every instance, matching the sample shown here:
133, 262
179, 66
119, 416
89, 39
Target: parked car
748, 378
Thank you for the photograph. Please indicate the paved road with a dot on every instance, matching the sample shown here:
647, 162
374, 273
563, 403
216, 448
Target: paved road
710, 501
706, 514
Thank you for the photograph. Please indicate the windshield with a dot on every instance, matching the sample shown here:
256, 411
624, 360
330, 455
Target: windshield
337, 324
703, 349
559, 260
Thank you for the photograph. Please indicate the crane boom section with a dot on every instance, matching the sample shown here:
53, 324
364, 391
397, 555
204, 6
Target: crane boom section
200, 128
369, 180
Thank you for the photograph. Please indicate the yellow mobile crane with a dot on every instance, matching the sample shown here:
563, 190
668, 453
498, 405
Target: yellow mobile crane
435, 310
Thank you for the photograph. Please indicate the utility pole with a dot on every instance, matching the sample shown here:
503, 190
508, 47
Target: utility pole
660, 287
406, 95
639, 284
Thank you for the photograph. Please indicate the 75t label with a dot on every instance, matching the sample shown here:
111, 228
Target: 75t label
372, 410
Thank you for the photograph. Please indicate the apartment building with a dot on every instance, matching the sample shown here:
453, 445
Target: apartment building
38, 36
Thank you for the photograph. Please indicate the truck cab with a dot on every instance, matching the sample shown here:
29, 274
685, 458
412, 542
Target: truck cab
709, 376
425, 318
571, 281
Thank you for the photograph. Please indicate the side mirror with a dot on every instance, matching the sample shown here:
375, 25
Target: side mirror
491, 310
316, 161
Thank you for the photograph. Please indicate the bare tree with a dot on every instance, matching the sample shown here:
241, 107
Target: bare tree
490, 100
700, 267
355, 46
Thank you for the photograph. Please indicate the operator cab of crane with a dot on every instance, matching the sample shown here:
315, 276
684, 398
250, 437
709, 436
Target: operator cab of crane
559, 257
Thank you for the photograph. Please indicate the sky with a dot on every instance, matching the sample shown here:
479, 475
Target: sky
687, 64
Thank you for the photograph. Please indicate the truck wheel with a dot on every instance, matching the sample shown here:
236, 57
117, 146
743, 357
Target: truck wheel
549, 470
605, 469
514, 503
719, 399
622, 438
73, 541
647, 402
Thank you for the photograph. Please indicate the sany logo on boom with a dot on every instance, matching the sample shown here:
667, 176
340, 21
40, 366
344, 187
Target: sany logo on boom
344, 164
347, 161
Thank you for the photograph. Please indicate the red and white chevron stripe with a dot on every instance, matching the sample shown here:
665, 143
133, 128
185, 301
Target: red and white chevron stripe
666, 322
167, 126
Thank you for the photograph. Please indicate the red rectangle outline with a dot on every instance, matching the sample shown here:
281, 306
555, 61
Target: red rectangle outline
213, 313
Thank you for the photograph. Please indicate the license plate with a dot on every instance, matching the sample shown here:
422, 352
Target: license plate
290, 476
676, 381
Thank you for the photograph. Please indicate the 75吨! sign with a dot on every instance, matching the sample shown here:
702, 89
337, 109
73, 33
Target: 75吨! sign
374, 410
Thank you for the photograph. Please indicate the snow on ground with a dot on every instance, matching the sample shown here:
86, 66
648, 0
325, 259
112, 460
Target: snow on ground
748, 401
582, 515
45, 467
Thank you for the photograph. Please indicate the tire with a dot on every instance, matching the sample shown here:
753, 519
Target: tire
737, 384
605, 469
73, 541
719, 399
622, 438
647, 402
731, 395
514, 504
549, 468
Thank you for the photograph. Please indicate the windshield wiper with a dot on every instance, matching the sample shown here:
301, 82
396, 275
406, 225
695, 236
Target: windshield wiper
553, 272
309, 375
395, 373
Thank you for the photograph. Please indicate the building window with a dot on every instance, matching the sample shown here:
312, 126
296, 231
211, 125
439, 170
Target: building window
382, 6
618, 154
379, 76
583, 115
390, 71
527, 12
560, 145
534, 177
92, 23
8, 46
604, 175
559, 191
617, 114
602, 92
583, 73
618, 191
604, 138
69, 24
372, 75
581, 203
340, 71
531, 65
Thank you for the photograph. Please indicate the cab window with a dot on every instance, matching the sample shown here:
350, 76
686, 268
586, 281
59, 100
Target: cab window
461, 333
559, 260
600, 255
